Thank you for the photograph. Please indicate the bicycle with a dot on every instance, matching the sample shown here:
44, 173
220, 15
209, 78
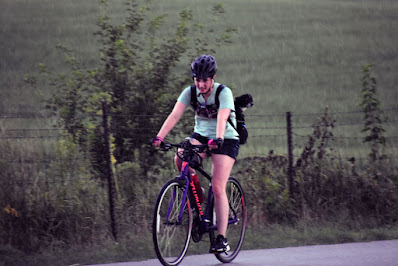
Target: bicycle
179, 215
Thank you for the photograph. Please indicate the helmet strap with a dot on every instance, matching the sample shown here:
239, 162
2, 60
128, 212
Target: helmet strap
205, 93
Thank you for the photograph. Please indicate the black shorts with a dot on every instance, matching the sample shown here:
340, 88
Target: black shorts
230, 147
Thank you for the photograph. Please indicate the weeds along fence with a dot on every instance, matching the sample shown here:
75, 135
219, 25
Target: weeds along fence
46, 180
270, 134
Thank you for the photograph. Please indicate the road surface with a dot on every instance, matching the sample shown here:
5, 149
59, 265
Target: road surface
378, 253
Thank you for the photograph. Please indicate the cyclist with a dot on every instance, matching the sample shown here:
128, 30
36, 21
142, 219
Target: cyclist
210, 127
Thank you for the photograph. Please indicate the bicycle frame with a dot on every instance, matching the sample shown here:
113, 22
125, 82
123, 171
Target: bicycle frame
204, 216
178, 204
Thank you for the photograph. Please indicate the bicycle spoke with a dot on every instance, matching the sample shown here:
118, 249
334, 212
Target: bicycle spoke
237, 220
171, 234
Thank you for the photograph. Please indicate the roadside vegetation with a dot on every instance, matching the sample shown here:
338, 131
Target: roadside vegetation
53, 189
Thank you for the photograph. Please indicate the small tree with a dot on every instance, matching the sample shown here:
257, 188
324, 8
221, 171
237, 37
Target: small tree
373, 115
140, 76
318, 146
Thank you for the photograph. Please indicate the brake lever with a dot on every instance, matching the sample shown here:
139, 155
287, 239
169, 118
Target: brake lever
165, 146
201, 149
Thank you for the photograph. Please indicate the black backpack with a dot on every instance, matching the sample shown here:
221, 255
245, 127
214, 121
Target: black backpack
241, 102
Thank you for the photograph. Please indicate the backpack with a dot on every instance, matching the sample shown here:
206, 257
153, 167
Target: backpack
241, 102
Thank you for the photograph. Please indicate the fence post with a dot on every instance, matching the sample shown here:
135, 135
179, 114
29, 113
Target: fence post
109, 172
290, 154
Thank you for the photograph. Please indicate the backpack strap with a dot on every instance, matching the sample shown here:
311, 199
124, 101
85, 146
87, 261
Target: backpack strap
219, 89
194, 99
232, 124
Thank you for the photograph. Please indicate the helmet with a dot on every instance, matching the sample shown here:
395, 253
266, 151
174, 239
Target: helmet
203, 67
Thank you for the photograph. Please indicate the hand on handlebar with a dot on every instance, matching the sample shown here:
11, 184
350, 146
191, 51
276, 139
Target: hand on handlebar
158, 142
215, 143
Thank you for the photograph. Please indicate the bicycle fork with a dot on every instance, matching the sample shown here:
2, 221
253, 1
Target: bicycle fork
189, 182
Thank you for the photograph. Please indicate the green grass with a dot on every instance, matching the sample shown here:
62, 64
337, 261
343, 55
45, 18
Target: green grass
135, 248
291, 55
277, 236
297, 56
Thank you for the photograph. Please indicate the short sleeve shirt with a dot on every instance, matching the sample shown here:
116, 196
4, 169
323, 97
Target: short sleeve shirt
205, 126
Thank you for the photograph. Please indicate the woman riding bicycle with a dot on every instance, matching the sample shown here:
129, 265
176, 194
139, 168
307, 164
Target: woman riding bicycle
210, 127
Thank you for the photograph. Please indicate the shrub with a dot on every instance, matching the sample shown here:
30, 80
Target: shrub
57, 207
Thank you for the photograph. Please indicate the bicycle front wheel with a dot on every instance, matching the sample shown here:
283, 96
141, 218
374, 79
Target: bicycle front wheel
172, 223
236, 220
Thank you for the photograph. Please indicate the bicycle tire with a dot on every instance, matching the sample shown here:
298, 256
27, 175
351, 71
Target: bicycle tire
170, 237
235, 231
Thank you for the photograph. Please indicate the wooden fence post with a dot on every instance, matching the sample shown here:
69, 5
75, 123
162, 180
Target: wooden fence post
109, 172
290, 154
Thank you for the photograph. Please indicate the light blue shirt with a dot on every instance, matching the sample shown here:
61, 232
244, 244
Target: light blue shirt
205, 126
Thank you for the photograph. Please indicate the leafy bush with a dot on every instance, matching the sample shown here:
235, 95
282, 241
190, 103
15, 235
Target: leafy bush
267, 194
328, 187
140, 75
63, 201
373, 115
59, 206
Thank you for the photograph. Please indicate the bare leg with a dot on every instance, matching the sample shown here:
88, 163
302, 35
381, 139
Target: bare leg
222, 166
178, 161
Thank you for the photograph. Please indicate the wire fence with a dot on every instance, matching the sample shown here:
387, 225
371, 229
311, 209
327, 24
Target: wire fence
33, 150
348, 136
267, 131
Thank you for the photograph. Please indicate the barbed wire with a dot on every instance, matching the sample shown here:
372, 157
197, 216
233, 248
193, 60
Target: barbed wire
270, 135
21, 133
252, 154
248, 155
58, 136
266, 127
155, 128
33, 137
26, 115
391, 108
45, 160
342, 137
30, 129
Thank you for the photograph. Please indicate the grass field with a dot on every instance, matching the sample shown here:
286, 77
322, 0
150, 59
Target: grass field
297, 56
291, 55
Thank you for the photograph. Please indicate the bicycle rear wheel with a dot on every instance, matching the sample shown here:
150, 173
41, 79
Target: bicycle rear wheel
236, 221
171, 233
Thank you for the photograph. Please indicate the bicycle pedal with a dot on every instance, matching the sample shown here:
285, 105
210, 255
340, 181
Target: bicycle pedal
218, 252
196, 237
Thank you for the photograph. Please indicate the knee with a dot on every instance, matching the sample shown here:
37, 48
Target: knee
177, 162
218, 190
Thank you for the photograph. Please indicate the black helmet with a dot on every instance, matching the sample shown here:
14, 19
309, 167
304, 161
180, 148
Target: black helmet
203, 67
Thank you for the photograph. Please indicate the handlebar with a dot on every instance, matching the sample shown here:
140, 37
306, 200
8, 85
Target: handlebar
190, 153
186, 145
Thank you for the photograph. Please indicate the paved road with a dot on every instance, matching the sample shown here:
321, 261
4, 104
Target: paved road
378, 253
